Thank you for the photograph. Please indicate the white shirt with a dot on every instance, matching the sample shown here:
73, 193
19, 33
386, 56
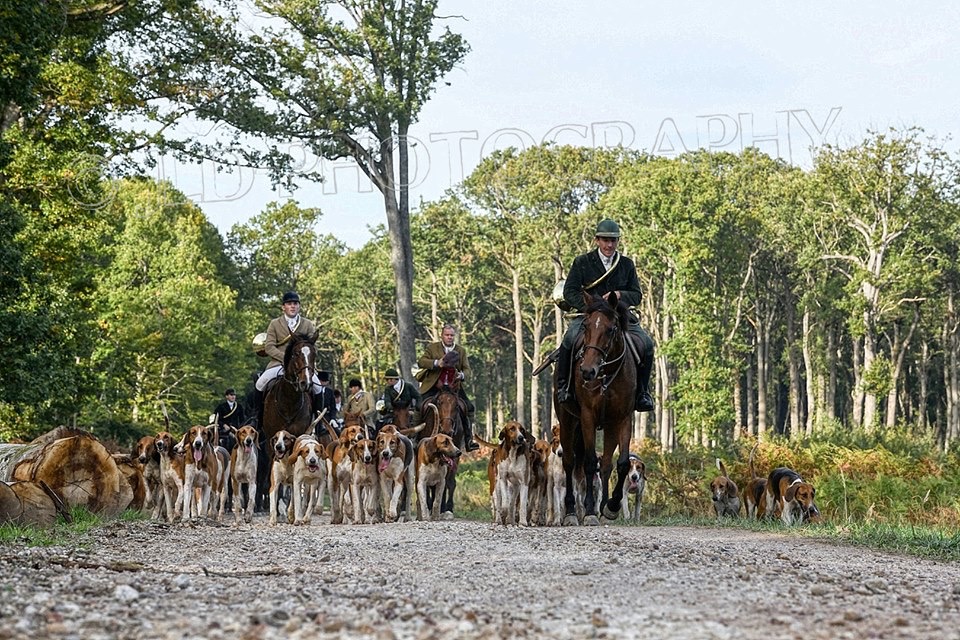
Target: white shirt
607, 262
293, 322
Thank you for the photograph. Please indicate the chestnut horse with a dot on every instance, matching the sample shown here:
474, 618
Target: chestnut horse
605, 380
287, 403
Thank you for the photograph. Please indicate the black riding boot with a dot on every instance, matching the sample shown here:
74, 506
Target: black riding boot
644, 401
563, 375
468, 442
258, 407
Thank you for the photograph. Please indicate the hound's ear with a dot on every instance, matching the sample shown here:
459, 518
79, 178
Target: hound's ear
613, 299
503, 434
791, 493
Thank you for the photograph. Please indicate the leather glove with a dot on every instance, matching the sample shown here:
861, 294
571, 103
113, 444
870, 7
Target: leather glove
450, 359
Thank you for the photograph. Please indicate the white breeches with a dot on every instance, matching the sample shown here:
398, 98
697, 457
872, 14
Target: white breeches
276, 372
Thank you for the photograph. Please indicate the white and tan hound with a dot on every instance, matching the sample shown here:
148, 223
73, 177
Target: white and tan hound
634, 485
243, 463
725, 494
791, 496
435, 458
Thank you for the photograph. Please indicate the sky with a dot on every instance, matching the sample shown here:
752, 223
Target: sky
660, 77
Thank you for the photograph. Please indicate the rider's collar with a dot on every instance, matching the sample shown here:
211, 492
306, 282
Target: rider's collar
607, 262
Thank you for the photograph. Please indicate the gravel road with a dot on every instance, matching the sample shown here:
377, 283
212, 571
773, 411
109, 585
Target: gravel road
464, 579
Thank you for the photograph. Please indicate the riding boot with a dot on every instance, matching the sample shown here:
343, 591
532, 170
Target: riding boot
258, 407
644, 401
563, 375
468, 442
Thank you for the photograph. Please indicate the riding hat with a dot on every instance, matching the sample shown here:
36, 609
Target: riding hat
323, 376
391, 373
290, 296
607, 229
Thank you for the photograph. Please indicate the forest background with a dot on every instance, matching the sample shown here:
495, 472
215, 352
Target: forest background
783, 300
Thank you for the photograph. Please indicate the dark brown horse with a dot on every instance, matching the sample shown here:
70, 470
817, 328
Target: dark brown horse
443, 413
604, 379
287, 403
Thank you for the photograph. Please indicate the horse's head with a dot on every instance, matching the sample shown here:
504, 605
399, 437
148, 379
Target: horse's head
300, 361
603, 325
447, 407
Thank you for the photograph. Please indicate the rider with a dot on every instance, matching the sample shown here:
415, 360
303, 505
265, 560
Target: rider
398, 394
440, 365
601, 272
279, 331
229, 412
359, 401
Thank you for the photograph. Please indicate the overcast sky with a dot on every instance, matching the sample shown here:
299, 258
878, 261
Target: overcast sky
661, 77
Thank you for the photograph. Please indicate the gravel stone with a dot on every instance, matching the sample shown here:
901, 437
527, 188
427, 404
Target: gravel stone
466, 580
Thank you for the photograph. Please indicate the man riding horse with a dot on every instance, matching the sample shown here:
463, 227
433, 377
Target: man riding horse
444, 365
279, 332
601, 272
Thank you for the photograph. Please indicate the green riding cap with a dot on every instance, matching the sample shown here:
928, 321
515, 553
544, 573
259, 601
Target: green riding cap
607, 229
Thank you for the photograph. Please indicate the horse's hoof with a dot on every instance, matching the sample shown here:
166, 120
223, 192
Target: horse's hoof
610, 514
571, 521
591, 521
446, 515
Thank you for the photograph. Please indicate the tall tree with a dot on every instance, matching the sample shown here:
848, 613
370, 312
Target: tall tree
344, 79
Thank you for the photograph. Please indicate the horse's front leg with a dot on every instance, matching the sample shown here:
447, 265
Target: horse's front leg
588, 431
611, 508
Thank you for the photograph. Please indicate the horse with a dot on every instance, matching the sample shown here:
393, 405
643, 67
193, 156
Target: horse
443, 414
287, 404
605, 379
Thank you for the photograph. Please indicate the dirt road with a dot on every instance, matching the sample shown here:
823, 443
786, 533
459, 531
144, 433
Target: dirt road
467, 580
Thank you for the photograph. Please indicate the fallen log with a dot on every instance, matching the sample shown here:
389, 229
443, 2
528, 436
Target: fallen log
77, 468
30, 503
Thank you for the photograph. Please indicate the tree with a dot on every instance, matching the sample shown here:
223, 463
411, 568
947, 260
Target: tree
170, 331
344, 79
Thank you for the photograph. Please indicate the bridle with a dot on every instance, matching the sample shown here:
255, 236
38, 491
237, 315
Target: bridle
604, 380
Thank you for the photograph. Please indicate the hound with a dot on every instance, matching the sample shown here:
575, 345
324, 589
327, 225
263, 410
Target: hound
309, 477
726, 496
789, 494
281, 472
537, 456
365, 484
513, 475
395, 468
171, 475
149, 458
754, 502
435, 456
243, 462
203, 472
340, 473
635, 485
556, 482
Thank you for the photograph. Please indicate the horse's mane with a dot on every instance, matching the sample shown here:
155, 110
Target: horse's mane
295, 339
621, 312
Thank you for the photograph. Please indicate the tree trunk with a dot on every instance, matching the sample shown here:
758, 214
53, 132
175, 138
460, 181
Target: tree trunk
793, 373
897, 352
518, 345
761, 382
536, 420
401, 246
737, 406
751, 405
813, 408
857, 393
924, 367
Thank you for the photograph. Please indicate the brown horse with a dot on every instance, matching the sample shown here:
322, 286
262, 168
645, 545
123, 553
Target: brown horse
443, 413
605, 379
287, 403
